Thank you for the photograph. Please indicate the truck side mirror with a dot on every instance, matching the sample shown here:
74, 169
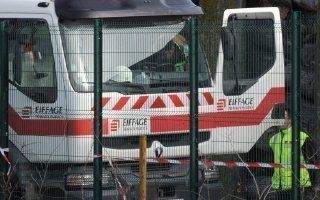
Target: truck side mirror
227, 40
278, 111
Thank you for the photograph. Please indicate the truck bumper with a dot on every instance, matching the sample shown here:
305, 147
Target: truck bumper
163, 191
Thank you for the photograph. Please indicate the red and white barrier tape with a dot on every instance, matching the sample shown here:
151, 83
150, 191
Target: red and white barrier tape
229, 164
3, 152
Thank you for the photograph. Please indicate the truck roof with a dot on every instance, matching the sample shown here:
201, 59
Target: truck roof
25, 6
75, 9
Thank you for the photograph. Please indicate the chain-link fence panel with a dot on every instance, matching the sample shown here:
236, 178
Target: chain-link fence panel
244, 88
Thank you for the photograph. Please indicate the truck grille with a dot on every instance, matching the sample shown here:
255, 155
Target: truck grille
167, 140
152, 167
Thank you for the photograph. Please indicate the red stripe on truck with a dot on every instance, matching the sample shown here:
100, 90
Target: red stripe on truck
141, 100
52, 127
121, 103
208, 97
149, 102
83, 127
220, 119
158, 103
176, 100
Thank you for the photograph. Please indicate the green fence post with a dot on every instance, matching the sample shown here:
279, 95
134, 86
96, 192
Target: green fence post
317, 100
193, 55
97, 157
3, 104
295, 116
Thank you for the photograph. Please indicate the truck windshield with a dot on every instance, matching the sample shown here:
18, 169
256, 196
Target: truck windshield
137, 58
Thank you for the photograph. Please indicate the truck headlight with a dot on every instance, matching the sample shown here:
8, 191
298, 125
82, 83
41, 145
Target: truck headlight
79, 180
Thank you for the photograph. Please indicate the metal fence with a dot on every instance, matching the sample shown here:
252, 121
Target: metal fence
244, 87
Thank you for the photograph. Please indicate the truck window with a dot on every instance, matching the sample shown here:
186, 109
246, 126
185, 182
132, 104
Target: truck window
254, 54
31, 62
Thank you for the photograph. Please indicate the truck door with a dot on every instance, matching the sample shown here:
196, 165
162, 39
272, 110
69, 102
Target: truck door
251, 74
36, 96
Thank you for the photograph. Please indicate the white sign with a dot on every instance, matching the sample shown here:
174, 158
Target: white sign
129, 125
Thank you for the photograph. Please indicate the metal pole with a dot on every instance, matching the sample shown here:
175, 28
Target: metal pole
193, 55
316, 136
3, 104
143, 167
97, 157
296, 104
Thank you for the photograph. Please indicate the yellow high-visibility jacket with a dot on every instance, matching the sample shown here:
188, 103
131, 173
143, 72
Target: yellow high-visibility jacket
281, 146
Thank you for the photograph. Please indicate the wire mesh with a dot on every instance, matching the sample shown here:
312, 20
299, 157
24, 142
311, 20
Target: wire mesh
244, 87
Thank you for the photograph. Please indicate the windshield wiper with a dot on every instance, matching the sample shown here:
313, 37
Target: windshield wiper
178, 83
123, 87
169, 83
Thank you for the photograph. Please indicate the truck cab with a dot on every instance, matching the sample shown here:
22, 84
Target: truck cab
145, 90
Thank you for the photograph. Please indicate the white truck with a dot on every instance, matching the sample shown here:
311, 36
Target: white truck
51, 92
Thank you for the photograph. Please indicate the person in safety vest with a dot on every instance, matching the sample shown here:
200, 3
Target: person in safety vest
182, 47
175, 54
281, 145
